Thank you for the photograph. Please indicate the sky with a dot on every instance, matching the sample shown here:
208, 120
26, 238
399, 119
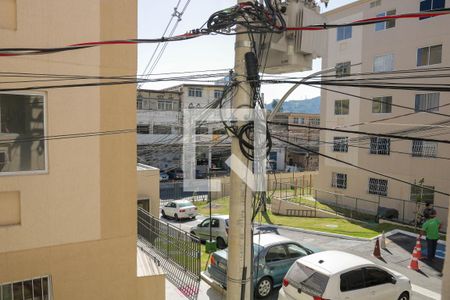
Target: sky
204, 53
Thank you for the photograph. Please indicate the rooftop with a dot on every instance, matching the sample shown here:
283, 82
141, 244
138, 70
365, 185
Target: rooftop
333, 262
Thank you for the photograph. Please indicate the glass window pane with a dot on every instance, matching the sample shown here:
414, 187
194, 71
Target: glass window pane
45, 289
17, 291
352, 280
425, 5
380, 26
28, 290
22, 155
435, 54
7, 292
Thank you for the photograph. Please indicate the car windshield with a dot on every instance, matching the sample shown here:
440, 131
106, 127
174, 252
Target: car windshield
184, 204
307, 279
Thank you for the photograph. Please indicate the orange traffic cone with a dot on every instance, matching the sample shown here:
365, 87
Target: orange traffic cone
376, 251
416, 255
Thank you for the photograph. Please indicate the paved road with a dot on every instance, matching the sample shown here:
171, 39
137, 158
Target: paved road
426, 284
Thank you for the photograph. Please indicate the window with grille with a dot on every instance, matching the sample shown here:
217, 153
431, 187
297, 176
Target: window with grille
139, 103
380, 146
314, 121
375, 3
423, 193
344, 33
195, 92
427, 102
339, 180
143, 129
35, 288
341, 107
382, 105
340, 144
424, 149
378, 186
383, 63
165, 105
343, 69
387, 24
429, 55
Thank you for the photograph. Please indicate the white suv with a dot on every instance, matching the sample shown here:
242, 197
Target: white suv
339, 275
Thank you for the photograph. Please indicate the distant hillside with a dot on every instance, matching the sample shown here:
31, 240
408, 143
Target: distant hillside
308, 106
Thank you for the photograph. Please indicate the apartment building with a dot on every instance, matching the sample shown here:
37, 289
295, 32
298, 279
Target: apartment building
391, 46
160, 126
68, 205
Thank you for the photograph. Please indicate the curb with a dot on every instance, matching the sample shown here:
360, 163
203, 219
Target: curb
329, 234
204, 276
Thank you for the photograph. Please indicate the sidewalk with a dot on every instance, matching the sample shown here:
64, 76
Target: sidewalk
205, 292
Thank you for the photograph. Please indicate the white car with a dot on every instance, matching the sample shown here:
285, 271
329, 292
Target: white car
219, 230
179, 209
339, 275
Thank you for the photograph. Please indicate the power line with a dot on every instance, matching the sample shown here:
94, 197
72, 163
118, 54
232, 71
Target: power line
363, 133
356, 166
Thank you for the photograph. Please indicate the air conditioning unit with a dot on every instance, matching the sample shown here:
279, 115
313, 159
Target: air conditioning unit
294, 51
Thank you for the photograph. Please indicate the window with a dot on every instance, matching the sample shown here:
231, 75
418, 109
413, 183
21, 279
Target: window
427, 102
343, 69
340, 144
341, 107
215, 223
424, 193
36, 288
378, 186
201, 130
375, 3
295, 251
375, 276
162, 129
383, 63
276, 253
382, 105
22, 127
139, 103
144, 204
424, 149
315, 121
308, 279
388, 24
380, 146
429, 55
426, 5
195, 92
339, 180
344, 33
353, 280
165, 105
143, 129
218, 94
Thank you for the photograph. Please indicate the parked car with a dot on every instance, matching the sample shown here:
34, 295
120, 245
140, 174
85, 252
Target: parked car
219, 230
340, 275
163, 176
176, 174
179, 209
273, 256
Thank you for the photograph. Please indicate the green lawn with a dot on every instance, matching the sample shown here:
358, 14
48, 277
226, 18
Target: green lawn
331, 225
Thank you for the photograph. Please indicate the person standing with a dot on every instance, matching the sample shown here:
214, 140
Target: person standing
428, 211
431, 229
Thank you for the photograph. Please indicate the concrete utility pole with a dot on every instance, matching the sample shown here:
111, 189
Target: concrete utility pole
240, 239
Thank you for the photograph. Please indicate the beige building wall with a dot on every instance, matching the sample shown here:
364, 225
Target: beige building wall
362, 48
148, 187
78, 216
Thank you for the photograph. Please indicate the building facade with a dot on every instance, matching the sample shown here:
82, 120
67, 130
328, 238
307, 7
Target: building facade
68, 205
160, 126
379, 51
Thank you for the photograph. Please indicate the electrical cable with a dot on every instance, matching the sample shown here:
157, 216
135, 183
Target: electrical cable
356, 166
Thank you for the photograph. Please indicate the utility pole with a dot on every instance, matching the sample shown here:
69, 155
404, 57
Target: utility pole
240, 280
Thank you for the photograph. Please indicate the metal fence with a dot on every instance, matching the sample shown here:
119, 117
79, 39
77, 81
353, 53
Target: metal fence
174, 191
177, 251
353, 207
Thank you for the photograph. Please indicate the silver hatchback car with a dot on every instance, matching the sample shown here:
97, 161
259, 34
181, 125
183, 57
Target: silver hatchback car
219, 230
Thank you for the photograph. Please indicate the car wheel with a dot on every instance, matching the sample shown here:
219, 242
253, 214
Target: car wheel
163, 214
404, 296
221, 243
264, 287
176, 218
